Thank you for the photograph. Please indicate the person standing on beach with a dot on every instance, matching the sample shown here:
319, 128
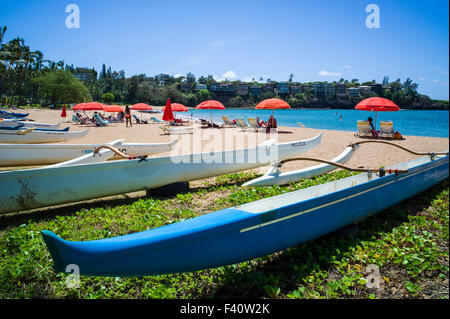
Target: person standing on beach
128, 116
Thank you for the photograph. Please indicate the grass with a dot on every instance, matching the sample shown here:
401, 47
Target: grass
408, 243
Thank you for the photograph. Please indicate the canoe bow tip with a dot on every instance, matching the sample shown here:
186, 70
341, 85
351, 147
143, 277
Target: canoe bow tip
53, 243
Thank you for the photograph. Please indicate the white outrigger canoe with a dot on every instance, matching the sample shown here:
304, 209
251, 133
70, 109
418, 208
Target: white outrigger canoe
45, 154
15, 122
32, 136
274, 177
48, 186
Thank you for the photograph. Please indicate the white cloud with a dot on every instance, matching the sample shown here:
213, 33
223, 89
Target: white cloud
421, 78
327, 73
442, 70
229, 75
347, 67
436, 81
216, 44
178, 75
249, 78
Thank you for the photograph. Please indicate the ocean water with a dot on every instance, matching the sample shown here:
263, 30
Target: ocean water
407, 122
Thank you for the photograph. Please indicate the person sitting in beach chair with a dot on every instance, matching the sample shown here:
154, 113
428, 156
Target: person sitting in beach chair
240, 122
138, 121
253, 124
227, 122
76, 119
261, 123
98, 119
271, 124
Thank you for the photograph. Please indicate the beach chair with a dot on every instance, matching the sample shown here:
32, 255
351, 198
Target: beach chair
240, 122
156, 120
138, 121
364, 129
100, 121
386, 129
167, 130
226, 120
253, 124
76, 119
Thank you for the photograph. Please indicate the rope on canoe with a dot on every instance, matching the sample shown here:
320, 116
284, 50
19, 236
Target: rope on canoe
352, 169
401, 147
118, 152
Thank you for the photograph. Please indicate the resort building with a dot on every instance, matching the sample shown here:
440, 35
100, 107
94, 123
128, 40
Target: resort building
222, 88
269, 87
353, 92
242, 89
200, 86
341, 90
296, 88
283, 88
323, 89
365, 89
255, 90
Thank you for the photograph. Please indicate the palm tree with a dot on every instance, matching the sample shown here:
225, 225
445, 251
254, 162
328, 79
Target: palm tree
2, 33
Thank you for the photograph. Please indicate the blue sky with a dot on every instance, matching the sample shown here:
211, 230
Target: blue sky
314, 40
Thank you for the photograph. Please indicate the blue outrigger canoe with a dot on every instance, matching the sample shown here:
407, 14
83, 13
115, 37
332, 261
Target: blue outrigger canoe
248, 231
6, 114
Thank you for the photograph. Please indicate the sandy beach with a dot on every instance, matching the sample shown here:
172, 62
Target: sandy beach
211, 139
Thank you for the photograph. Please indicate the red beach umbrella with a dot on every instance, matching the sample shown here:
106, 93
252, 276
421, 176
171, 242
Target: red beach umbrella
377, 104
177, 107
63, 113
141, 107
113, 108
168, 115
272, 104
91, 106
210, 105
78, 107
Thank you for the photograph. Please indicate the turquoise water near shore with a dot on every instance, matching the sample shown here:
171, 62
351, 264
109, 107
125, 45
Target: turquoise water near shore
407, 122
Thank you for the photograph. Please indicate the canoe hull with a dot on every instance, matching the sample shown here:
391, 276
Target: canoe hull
234, 235
41, 137
42, 187
43, 154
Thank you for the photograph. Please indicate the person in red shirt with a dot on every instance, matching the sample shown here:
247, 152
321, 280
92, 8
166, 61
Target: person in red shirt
272, 123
